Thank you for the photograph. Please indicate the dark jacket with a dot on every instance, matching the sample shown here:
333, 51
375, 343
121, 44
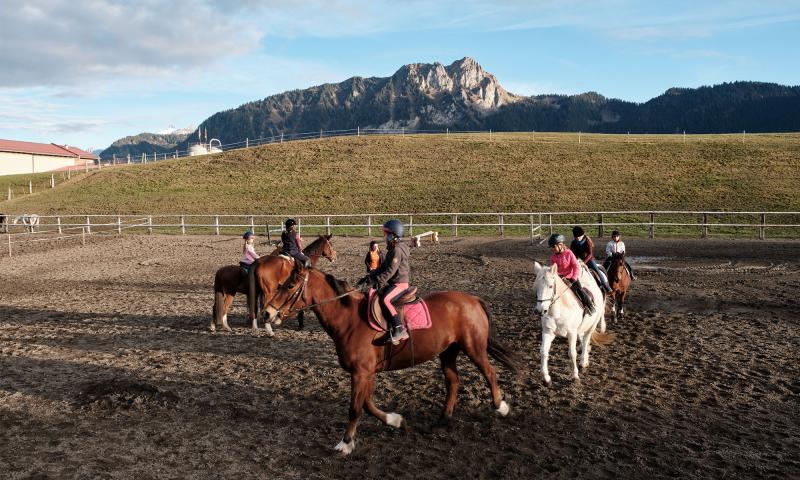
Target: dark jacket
290, 245
381, 258
395, 266
583, 250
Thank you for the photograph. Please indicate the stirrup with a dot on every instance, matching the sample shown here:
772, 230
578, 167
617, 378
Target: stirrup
403, 335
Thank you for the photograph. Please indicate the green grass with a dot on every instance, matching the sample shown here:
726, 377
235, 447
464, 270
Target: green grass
456, 173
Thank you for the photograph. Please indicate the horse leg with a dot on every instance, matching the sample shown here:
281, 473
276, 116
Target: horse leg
226, 307
622, 303
359, 392
300, 319
450, 370
572, 338
547, 339
586, 347
392, 419
480, 357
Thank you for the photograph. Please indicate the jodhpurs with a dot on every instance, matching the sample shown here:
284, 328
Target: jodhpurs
389, 293
593, 265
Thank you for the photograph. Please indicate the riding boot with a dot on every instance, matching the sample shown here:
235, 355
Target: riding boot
396, 332
587, 302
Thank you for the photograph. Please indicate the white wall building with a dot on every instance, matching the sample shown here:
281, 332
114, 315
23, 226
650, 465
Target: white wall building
28, 157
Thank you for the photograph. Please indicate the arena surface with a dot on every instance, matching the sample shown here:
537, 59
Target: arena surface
108, 370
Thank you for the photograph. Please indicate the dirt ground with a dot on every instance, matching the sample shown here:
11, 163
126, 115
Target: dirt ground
108, 370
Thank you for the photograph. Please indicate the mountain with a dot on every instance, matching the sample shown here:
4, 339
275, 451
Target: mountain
172, 130
147, 143
463, 96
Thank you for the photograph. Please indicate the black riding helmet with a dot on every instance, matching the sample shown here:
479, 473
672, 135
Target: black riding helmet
577, 231
615, 233
290, 222
394, 227
555, 239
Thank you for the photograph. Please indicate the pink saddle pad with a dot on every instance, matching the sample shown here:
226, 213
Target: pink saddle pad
417, 316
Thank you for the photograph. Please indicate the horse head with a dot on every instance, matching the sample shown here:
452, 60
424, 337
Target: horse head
544, 287
285, 291
327, 248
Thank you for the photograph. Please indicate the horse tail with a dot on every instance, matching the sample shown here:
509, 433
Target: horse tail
603, 339
497, 350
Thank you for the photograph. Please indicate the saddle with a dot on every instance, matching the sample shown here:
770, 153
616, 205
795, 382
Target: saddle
413, 311
286, 257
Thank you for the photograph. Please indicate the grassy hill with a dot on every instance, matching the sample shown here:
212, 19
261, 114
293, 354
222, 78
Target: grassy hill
438, 173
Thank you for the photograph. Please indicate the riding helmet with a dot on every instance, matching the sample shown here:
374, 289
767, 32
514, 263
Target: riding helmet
555, 239
615, 233
248, 234
290, 222
393, 227
577, 231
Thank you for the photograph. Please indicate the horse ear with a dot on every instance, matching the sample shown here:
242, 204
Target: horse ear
553, 269
329, 236
537, 268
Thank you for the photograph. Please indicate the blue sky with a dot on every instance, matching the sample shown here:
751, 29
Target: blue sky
89, 72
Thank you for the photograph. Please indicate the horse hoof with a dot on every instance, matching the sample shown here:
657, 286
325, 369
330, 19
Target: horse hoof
268, 329
576, 380
227, 328
212, 329
547, 383
444, 421
394, 420
345, 448
503, 409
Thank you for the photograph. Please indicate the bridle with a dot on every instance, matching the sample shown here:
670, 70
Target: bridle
555, 296
291, 300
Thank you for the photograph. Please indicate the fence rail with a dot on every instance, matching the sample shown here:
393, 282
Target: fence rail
535, 225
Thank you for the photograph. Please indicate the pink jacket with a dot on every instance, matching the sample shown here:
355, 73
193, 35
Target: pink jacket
249, 256
567, 264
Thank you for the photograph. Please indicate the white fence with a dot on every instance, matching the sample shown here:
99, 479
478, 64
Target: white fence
535, 225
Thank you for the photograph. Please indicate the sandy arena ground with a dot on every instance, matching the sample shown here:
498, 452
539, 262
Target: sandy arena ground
107, 370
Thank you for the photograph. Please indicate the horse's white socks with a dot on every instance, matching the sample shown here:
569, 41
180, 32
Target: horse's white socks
268, 328
394, 420
344, 447
503, 409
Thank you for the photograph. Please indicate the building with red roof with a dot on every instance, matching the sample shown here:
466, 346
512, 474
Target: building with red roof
28, 157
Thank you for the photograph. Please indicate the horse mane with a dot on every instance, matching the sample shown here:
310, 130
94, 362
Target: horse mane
316, 244
340, 287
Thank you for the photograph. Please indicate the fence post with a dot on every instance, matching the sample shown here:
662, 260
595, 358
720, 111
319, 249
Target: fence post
705, 225
531, 221
83, 236
9, 193
600, 231
183, 225
88, 224
247, 142
410, 225
9, 244
455, 225
490, 134
129, 158
358, 131
550, 220
320, 134
176, 154
119, 225
281, 137
327, 225
266, 226
500, 220
579, 137
652, 225
252, 225
216, 224
30, 186
58, 222
369, 225
52, 181
761, 230
150, 224
69, 174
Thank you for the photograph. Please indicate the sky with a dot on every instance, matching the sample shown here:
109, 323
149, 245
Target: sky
87, 73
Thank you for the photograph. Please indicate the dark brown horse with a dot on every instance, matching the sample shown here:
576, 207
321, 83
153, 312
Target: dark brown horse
461, 322
620, 281
232, 279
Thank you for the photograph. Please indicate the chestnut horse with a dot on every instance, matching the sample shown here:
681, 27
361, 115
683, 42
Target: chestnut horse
620, 281
231, 279
460, 322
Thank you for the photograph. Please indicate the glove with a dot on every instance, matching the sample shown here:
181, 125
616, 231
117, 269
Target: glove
307, 263
366, 280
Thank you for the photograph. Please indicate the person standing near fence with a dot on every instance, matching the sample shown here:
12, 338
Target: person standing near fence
374, 257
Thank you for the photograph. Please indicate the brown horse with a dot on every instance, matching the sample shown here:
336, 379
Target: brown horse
232, 279
461, 322
620, 281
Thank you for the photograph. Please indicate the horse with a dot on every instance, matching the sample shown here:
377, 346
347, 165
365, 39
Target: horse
232, 279
620, 280
460, 322
563, 315
31, 221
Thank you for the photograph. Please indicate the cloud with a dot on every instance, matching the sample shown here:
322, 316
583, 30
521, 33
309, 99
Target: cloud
63, 42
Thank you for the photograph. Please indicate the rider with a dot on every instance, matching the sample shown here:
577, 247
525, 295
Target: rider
291, 244
569, 269
583, 248
374, 257
616, 245
391, 277
249, 254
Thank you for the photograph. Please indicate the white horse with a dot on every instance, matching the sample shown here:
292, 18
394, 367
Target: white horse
563, 315
31, 221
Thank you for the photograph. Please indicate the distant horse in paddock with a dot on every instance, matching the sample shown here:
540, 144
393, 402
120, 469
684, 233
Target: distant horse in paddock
29, 220
232, 279
620, 280
458, 322
564, 315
